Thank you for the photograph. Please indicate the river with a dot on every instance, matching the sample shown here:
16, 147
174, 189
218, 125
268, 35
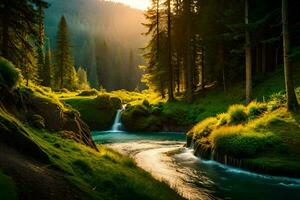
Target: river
165, 157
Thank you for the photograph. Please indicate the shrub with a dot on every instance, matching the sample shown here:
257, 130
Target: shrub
146, 103
92, 92
139, 110
156, 110
223, 119
9, 75
255, 109
203, 128
278, 98
237, 114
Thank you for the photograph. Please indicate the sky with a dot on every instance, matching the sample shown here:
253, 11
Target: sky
140, 4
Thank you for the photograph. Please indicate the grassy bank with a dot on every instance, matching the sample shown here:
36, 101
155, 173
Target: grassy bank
98, 175
265, 135
104, 175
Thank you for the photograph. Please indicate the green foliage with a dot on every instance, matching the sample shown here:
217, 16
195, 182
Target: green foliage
223, 119
255, 109
146, 103
20, 31
9, 75
203, 129
83, 83
237, 114
142, 118
64, 73
139, 111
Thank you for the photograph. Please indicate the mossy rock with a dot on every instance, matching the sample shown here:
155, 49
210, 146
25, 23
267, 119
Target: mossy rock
140, 110
116, 102
103, 101
98, 113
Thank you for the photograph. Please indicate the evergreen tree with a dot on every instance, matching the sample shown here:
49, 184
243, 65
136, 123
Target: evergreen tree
82, 79
170, 64
47, 69
187, 57
157, 58
65, 73
40, 43
131, 71
19, 27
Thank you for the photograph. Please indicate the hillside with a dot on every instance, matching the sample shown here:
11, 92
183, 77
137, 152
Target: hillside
47, 152
103, 36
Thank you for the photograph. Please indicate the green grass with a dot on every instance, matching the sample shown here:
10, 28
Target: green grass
180, 114
43, 93
262, 133
98, 175
7, 188
101, 175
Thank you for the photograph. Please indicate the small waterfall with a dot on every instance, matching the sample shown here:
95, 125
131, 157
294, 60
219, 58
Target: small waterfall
117, 123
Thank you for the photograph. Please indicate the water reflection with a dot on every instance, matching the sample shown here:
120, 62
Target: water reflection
163, 155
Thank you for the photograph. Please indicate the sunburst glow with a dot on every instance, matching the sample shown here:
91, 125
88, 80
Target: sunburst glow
139, 4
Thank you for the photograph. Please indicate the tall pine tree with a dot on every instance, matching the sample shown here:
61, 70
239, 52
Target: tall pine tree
65, 73
47, 69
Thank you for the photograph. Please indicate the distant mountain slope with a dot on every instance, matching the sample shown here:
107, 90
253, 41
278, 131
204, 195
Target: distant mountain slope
103, 35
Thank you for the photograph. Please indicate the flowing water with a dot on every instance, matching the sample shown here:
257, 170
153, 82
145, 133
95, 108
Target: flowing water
163, 155
117, 123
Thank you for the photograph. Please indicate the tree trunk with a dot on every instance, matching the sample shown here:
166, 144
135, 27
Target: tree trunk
257, 59
292, 103
189, 92
162, 92
170, 90
178, 73
276, 59
248, 57
202, 70
222, 63
263, 58
157, 26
